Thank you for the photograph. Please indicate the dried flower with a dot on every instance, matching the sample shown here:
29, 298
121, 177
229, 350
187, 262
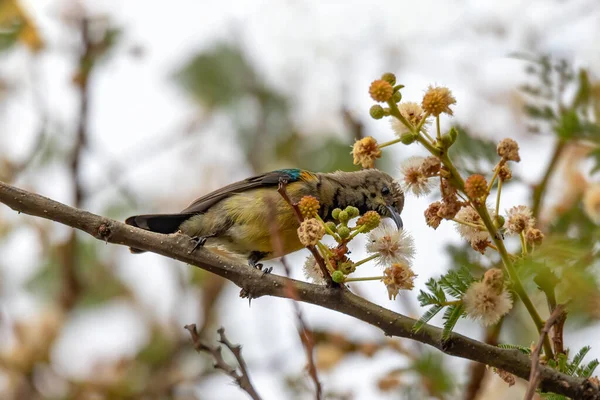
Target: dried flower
480, 245
534, 236
518, 219
412, 112
312, 271
309, 206
431, 166
370, 220
483, 303
310, 232
413, 178
494, 279
591, 202
365, 152
392, 245
505, 376
449, 208
381, 90
504, 173
472, 233
398, 277
448, 191
431, 215
509, 150
438, 100
476, 186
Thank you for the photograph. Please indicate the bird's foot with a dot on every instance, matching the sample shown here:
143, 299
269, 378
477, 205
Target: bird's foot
254, 259
198, 241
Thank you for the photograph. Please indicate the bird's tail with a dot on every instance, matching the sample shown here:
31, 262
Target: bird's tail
160, 223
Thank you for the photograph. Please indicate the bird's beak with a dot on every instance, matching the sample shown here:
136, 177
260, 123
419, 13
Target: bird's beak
396, 217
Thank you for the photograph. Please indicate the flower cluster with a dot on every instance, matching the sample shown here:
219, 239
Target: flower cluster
487, 301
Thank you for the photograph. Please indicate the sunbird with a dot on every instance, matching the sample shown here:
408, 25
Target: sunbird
237, 216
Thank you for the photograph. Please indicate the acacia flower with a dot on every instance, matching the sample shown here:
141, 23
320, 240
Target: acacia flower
310, 232
398, 277
468, 231
487, 301
509, 150
392, 245
438, 100
312, 271
412, 112
365, 151
381, 90
413, 178
519, 219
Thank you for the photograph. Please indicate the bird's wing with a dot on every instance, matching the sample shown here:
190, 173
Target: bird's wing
272, 178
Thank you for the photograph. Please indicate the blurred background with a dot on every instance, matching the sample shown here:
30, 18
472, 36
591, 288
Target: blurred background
128, 107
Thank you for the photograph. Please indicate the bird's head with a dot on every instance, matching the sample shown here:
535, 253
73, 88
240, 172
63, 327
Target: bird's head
369, 190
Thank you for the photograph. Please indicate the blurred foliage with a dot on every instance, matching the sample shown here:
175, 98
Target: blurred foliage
472, 154
223, 80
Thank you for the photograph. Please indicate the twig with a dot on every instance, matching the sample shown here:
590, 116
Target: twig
539, 189
534, 374
242, 378
178, 247
305, 333
283, 192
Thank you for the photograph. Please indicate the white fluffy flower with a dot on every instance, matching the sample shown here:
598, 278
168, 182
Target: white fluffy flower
484, 304
312, 271
392, 245
412, 112
471, 233
519, 219
413, 178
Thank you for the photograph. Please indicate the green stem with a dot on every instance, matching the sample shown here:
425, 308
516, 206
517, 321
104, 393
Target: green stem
437, 126
496, 170
391, 142
506, 259
498, 197
328, 230
523, 243
356, 232
326, 253
451, 303
512, 273
361, 262
368, 278
476, 226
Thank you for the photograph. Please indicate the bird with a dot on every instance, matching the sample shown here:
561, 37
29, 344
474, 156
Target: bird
237, 217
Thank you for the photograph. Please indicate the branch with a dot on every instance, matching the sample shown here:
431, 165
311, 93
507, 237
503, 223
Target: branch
339, 299
242, 378
534, 374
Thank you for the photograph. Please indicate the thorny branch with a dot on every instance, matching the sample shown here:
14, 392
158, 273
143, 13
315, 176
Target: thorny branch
306, 336
339, 298
534, 374
242, 378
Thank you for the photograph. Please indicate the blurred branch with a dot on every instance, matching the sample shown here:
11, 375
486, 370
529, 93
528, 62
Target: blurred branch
257, 284
534, 374
242, 378
477, 370
540, 189
306, 335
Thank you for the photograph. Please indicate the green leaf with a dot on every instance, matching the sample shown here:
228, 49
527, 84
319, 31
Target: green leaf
577, 359
457, 282
568, 125
218, 77
451, 317
430, 366
426, 317
588, 369
522, 349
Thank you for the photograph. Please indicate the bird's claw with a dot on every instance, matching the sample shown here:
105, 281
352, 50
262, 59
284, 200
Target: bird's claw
198, 241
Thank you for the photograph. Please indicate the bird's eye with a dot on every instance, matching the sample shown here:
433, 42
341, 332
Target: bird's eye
385, 190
